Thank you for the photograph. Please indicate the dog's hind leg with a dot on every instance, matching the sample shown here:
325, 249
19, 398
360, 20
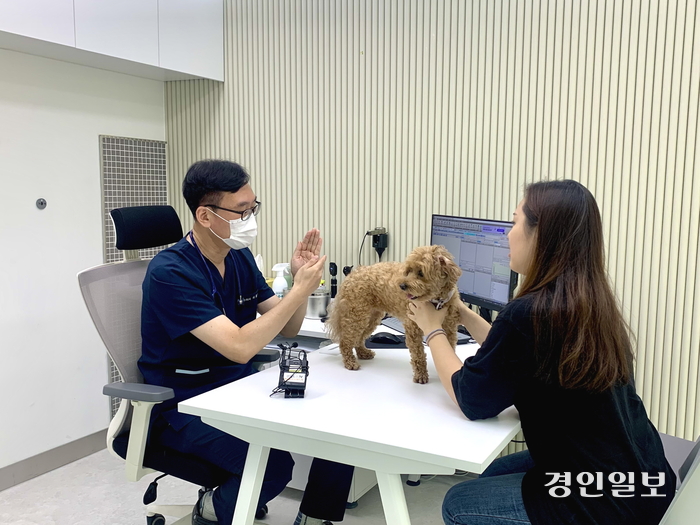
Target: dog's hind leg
372, 322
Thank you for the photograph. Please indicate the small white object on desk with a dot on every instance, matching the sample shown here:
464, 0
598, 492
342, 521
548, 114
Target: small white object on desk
317, 328
313, 328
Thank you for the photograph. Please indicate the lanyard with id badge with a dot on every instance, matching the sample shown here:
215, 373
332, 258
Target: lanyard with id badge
215, 294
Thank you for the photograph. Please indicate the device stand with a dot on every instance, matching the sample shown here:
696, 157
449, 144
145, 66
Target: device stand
486, 314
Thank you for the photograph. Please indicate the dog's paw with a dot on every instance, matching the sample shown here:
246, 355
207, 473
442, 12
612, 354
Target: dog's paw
351, 364
421, 379
364, 353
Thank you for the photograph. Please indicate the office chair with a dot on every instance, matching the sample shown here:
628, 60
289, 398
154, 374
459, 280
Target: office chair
112, 294
685, 506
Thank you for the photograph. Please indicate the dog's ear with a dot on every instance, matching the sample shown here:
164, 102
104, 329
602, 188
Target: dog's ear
449, 268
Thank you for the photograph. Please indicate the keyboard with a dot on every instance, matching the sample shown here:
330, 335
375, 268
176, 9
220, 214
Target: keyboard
396, 324
393, 322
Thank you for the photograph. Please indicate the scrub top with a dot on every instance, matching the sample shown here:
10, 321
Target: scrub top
179, 295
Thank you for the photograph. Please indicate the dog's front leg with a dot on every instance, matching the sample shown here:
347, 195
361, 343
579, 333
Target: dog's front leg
419, 361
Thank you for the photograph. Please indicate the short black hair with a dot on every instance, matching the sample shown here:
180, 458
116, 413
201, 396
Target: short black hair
206, 180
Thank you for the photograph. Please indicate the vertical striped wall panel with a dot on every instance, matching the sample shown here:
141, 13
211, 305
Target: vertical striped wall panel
356, 114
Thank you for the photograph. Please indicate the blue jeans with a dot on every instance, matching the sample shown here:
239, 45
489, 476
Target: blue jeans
494, 498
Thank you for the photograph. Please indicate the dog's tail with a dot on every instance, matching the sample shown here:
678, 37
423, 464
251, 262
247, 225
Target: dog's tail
333, 321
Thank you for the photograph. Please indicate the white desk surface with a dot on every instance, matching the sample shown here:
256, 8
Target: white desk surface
378, 407
375, 418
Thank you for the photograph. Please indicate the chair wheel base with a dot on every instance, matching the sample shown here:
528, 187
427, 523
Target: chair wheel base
411, 483
156, 519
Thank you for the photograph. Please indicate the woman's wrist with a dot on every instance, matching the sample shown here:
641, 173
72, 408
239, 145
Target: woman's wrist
434, 333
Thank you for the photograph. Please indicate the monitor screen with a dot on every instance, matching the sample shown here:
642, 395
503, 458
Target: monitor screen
480, 247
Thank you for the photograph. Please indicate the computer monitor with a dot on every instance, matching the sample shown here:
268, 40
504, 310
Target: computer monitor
481, 249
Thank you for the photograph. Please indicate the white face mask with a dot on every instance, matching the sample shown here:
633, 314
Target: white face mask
243, 232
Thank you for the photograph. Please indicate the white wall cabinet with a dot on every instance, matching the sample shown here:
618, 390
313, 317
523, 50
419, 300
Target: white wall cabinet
50, 20
192, 37
125, 29
157, 39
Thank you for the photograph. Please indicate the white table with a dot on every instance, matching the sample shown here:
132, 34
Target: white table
375, 418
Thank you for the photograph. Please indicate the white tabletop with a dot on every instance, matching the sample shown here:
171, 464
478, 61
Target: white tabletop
375, 417
377, 408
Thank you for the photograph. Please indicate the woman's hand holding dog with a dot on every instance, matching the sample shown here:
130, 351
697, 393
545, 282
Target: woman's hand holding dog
426, 316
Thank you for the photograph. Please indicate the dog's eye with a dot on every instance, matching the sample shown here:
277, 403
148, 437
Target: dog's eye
420, 273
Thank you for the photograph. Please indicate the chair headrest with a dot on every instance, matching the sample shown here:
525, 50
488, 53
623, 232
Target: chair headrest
139, 227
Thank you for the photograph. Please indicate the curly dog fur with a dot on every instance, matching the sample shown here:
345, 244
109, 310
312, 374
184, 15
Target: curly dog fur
370, 292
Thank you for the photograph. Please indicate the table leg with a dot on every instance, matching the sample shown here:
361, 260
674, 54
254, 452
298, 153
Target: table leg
393, 499
251, 482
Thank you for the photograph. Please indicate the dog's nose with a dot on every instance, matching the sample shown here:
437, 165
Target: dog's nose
402, 286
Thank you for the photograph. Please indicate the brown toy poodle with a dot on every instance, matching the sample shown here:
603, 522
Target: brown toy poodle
370, 292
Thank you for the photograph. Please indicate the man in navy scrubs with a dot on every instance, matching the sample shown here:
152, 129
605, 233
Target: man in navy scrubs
199, 330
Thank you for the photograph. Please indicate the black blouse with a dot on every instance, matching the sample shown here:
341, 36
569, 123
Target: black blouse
597, 456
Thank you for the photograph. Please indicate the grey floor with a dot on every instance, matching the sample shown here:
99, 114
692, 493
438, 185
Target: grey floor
94, 490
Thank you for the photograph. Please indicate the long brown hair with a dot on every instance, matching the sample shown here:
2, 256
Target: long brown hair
581, 337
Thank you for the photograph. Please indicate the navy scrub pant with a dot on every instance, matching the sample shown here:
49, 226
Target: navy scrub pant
326, 490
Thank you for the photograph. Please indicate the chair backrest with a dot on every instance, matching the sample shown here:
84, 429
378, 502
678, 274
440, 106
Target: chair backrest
676, 451
691, 460
685, 507
112, 294
139, 227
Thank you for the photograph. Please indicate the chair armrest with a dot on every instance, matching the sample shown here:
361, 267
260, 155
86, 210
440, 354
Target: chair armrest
266, 355
138, 392
142, 399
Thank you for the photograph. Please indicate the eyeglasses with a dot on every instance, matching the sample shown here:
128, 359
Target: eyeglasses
245, 214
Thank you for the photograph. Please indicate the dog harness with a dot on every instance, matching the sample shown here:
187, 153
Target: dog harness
439, 303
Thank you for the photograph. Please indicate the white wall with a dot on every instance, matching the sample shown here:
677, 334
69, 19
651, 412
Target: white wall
351, 115
52, 362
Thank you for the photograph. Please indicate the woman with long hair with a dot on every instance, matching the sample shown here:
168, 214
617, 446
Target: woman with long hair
560, 352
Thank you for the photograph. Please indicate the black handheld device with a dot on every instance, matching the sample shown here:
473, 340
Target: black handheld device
333, 269
294, 369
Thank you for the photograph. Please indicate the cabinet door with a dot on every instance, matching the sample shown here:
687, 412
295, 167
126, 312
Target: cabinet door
50, 20
125, 29
191, 35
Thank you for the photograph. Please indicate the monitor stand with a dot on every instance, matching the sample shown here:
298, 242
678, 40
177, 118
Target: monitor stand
486, 314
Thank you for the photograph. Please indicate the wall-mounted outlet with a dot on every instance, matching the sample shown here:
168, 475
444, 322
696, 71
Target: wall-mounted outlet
380, 240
